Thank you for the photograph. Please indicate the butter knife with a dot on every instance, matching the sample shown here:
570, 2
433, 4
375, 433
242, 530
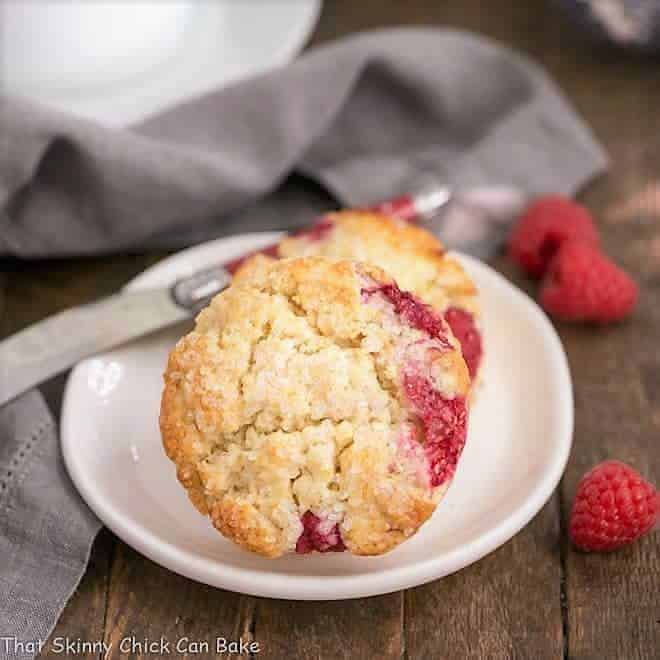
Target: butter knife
55, 344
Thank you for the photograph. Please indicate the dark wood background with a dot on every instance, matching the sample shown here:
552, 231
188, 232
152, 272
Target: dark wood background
535, 597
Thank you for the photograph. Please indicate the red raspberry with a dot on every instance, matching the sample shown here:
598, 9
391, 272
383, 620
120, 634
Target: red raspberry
613, 506
549, 222
582, 284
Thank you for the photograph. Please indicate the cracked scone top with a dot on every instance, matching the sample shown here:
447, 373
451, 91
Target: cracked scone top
316, 406
410, 254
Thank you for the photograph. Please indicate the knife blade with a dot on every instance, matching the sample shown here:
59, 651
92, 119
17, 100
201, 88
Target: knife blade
55, 344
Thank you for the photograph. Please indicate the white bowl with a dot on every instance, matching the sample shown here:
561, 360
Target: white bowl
77, 43
169, 53
518, 444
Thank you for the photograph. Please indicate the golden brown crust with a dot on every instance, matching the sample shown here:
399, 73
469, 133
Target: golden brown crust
387, 514
253, 266
179, 437
245, 525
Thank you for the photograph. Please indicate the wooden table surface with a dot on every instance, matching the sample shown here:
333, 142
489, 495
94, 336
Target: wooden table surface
535, 597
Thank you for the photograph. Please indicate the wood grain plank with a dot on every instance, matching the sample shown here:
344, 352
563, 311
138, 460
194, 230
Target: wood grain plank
361, 628
508, 605
36, 289
147, 602
614, 599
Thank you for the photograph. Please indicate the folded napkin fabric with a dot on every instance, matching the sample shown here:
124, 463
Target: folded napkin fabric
365, 117
46, 530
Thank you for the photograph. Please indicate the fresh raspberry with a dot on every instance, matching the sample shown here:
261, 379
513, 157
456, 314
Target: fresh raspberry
548, 223
613, 506
582, 284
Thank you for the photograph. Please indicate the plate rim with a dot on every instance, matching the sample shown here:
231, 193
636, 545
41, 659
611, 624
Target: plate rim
306, 587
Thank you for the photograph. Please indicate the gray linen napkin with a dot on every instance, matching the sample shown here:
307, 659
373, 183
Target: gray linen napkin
364, 117
46, 530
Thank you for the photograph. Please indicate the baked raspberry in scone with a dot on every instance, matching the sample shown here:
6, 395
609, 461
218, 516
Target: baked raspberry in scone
411, 255
316, 407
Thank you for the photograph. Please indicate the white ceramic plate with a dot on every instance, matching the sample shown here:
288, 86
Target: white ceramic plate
519, 441
225, 40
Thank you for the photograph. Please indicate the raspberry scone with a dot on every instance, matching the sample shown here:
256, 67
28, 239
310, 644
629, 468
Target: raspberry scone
316, 407
411, 255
